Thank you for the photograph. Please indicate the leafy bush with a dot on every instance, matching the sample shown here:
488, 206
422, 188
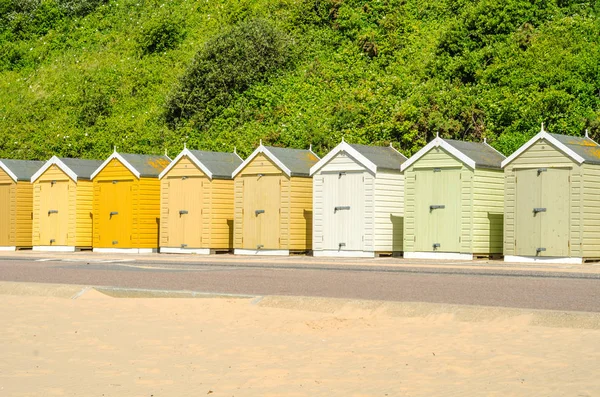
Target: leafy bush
161, 33
227, 65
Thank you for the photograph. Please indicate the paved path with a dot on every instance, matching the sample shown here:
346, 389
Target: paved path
488, 283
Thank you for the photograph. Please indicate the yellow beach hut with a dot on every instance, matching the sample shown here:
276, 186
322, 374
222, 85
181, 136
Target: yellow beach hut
197, 202
16, 203
127, 203
63, 204
273, 202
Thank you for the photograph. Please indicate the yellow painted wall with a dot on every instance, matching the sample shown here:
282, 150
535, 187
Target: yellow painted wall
143, 229
24, 214
8, 224
301, 213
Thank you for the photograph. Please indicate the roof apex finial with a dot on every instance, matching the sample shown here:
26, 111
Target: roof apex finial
184, 145
343, 141
587, 133
166, 152
115, 149
484, 140
437, 134
543, 127
261, 142
310, 147
234, 150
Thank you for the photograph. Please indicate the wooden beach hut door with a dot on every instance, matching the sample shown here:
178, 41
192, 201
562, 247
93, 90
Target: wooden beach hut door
5, 207
115, 213
54, 212
343, 206
437, 210
185, 212
261, 211
542, 212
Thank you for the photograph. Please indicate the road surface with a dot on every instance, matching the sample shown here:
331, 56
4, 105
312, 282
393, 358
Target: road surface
470, 285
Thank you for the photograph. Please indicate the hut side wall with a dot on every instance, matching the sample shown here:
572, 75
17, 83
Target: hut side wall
221, 197
389, 212
590, 213
542, 154
488, 209
24, 214
8, 224
436, 157
84, 210
301, 214
146, 213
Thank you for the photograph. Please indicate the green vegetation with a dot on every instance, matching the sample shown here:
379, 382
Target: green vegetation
77, 77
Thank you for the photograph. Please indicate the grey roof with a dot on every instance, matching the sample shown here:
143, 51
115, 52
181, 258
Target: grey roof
583, 146
384, 157
82, 168
482, 154
298, 161
221, 165
147, 165
23, 169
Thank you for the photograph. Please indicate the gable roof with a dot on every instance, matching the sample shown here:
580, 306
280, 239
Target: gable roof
20, 170
293, 162
472, 154
75, 168
374, 158
579, 149
213, 164
140, 165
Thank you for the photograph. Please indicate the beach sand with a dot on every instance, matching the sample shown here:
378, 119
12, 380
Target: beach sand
97, 345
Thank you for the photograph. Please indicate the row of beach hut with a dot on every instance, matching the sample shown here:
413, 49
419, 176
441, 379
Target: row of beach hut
451, 200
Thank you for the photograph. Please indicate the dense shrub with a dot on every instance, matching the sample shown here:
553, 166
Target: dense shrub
228, 64
161, 33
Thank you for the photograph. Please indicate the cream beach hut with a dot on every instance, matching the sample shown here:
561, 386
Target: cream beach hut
358, 201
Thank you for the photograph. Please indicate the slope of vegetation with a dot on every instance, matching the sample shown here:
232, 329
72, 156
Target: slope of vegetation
77, 77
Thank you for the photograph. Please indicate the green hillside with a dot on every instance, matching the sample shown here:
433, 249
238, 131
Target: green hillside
79, 76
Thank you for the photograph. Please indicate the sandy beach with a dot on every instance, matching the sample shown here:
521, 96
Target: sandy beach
68, 341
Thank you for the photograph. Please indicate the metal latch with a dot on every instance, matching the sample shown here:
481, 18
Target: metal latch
183, 212
257, 212
436, 207
343, 207
259, 246
436, 246
540, 170
115, 242
437, 170
114, 213
342, 245
183, 245
541, 249
52, 212
536, 210
52, 241
341, 173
